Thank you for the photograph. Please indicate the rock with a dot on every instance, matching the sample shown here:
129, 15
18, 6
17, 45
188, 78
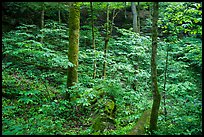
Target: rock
105, 119
102, 122
143, 121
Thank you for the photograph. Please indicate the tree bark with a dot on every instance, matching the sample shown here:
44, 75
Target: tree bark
59, 13
59, 17
109, 29
134, 13
106, 41
156, 94
93, 41
74, 26
138, 11
125, 11
42, 20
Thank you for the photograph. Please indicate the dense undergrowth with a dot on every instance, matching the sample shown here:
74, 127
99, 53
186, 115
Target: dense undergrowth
34, 82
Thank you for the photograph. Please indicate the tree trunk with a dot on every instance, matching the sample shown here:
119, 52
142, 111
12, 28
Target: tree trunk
74, 26
125, 11
106, 41
134, 13
109, 29
138, 11
150, 8
42, 20
93, 41
59, 16
156, 94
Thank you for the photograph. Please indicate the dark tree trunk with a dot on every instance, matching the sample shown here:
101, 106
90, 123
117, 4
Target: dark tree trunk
156, 94
109, 29
106, 41
59, 13
93, 41
125, 11
59, 17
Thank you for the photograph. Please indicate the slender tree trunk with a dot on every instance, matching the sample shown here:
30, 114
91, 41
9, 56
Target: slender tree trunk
109, 29
42, 20
74, 26
93, 41
156, 94
59, 17
134, 13
59, 13
125, 11
150, 8
106, 41
112, 22
138, 11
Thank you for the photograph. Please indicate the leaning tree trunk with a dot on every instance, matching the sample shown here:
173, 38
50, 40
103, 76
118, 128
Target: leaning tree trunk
74, 26
134, 13
93, 41
156, 94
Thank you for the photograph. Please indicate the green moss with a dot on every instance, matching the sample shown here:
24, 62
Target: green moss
102, 122
98, 124
143, 121
105, 117
74, 25
109, 107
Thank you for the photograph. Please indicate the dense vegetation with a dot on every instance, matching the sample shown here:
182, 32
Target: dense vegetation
34, 73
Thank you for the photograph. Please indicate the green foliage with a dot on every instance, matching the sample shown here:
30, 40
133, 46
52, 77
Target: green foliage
102, 5
182, 91
181, 18
192, 51
34, 77
25, 47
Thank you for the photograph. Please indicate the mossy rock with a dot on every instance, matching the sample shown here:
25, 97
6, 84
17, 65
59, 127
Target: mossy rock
105, 117
102, 122
142, 123
109, 107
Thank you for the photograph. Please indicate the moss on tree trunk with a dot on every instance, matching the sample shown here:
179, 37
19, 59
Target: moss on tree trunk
74, 26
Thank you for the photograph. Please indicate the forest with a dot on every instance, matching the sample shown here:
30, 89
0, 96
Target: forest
102, 68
